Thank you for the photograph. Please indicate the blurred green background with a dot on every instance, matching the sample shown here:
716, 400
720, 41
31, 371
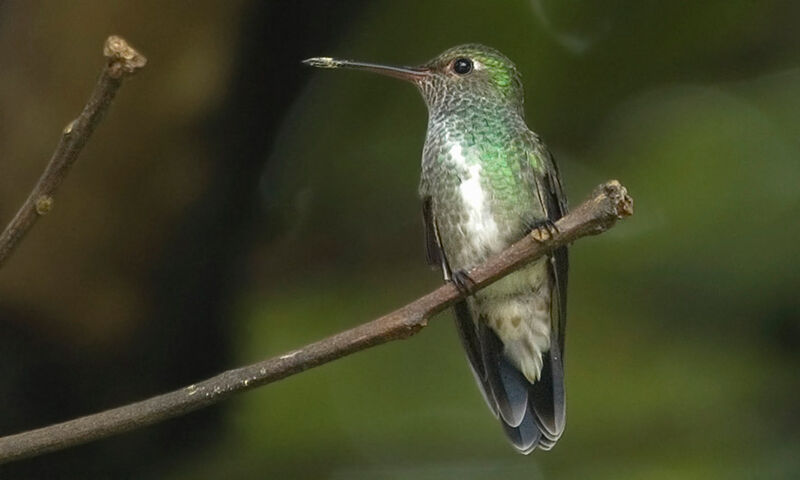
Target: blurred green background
234, 205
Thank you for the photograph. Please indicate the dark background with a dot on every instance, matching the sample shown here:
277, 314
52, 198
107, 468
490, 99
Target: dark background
235, 205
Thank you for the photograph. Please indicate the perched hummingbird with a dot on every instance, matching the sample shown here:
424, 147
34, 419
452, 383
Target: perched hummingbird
488, 180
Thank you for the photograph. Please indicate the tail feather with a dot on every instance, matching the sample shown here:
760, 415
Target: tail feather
526, 436
546, 444
509, 388
547, 395
532, 414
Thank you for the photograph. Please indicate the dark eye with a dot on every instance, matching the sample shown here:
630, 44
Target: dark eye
462, 66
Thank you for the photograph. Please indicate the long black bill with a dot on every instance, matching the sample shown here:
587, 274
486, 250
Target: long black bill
411, 74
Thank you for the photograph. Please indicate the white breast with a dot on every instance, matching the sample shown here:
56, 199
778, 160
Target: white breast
481, 228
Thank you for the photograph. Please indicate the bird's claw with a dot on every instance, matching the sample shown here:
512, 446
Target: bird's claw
544, 230
463, 282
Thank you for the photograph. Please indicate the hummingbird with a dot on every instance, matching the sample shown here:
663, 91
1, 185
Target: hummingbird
488, 180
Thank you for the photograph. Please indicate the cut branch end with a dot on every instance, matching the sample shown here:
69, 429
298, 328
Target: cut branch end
123, 59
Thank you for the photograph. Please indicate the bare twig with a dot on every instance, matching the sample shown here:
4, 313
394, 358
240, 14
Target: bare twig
608, 203
122, 61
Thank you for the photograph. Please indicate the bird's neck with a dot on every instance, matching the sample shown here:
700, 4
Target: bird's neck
474, 124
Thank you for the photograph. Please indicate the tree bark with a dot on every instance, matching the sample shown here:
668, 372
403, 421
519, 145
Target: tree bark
123, 61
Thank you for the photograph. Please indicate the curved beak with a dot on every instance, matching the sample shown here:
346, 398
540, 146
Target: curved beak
411, 74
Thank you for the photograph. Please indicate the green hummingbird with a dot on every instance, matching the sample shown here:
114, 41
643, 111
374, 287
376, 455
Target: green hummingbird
487, 180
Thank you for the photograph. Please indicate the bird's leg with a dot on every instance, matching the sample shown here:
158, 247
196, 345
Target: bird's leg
463, 282
543, 230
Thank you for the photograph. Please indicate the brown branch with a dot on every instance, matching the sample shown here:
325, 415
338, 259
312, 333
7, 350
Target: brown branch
608, 203
122, 62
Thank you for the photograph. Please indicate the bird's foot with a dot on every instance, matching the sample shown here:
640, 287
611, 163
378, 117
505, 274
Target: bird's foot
544, 230
463, 282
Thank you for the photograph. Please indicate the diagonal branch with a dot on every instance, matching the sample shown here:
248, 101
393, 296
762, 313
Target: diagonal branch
122, 61
608, 203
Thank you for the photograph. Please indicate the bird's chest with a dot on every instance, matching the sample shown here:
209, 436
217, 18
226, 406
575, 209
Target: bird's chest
468, 206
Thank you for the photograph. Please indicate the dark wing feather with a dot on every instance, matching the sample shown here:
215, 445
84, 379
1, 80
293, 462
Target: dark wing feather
556, 205
468, 333
433, 248
547, 397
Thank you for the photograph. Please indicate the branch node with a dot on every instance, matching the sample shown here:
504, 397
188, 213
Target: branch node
415, 323
44, 204
68, 128
122, 58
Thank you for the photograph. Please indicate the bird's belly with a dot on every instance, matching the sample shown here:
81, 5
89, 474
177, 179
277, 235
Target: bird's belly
517, 307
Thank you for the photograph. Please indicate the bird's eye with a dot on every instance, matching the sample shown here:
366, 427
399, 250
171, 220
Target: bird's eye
462, 66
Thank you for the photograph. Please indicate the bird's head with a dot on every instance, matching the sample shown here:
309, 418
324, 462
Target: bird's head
460, 76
